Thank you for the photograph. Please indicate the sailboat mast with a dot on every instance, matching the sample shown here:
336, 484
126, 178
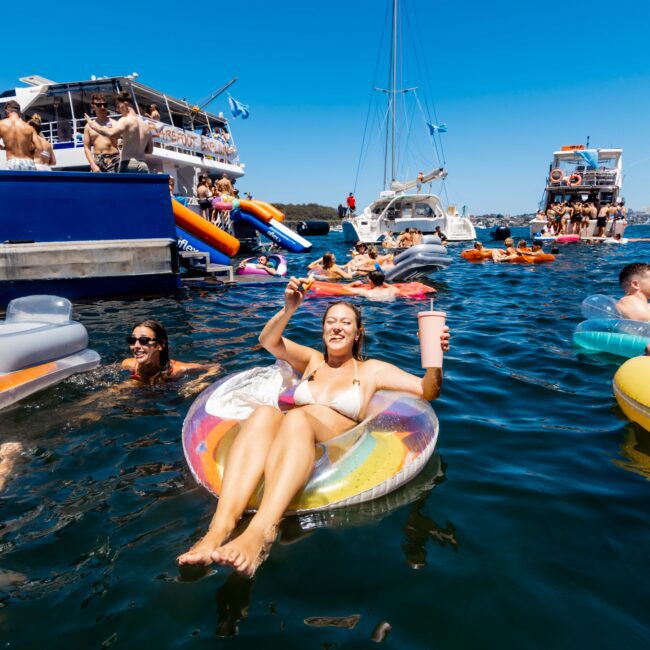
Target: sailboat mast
393, 87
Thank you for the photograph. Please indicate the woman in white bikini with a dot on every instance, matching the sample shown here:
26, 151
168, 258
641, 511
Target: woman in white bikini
331, 399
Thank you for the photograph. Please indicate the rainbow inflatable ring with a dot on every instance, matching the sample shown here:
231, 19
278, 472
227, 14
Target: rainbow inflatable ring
383, 452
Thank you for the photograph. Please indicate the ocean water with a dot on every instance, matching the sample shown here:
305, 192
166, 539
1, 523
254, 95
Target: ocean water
528, 528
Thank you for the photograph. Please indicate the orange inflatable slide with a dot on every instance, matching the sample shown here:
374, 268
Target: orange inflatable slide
204, 230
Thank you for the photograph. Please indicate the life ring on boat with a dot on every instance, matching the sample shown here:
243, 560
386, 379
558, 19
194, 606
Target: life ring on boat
384, 451
556, 176
249, 267
605, 330
574, 180
632, 390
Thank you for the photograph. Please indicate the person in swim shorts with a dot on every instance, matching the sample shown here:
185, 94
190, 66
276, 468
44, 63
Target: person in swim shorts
100, 150
332, 398
19, 139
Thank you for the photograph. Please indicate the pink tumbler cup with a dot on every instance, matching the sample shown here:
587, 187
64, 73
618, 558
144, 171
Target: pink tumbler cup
430, 326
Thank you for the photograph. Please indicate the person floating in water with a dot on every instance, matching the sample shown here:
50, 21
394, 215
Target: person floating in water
331, 399
378, 290
635, 282
151, 363
263, 263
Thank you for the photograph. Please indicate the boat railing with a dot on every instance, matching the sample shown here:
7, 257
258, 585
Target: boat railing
591, 178
69, 134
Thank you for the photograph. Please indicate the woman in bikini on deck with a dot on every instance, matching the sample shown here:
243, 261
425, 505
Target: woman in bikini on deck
331, 399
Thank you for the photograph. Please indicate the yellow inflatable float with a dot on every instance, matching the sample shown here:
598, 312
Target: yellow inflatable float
632, 390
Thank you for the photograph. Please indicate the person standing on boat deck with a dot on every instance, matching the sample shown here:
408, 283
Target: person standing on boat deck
224, 186
44, 156
19, 139
331, 398
419, 181
101, 151
352, 204
153, 113
135, 133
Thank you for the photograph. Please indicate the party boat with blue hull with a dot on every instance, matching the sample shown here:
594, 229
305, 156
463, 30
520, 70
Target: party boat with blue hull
79, 234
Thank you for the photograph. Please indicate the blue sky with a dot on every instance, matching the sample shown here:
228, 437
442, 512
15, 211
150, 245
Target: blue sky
512, 81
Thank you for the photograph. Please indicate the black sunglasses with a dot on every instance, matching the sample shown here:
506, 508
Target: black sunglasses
101, 104
142, 340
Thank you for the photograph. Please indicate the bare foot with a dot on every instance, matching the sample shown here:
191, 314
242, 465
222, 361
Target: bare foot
8, 453
246, 552
201, 552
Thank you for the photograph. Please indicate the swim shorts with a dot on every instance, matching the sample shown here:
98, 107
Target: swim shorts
21, 165
133, 166
107, 162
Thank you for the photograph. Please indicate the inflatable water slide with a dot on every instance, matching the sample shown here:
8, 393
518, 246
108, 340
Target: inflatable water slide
195, 234
266, 219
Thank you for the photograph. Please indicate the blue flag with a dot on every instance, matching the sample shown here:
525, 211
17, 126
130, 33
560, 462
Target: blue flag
238, 108
590, 157
440, 128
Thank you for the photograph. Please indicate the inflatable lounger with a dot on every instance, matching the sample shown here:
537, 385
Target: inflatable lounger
384, 451
406, 289
605, 330
40, 346
419, 261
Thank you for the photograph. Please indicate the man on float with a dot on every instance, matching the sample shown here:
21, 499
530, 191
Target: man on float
635, 282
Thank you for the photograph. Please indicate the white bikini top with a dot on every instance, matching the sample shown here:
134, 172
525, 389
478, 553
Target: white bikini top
348, 403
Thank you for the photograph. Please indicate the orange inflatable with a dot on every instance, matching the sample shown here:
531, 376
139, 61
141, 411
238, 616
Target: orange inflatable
204, 230
406, 289
474, 255
275, 213
256, 209
533, 259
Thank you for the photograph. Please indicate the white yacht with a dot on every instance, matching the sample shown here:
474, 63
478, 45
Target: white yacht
581, 174
411, 203
188, 140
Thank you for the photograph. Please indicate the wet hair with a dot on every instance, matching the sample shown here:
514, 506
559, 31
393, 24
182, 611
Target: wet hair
628, 273
357, 346
372, 252
35, 122
376, 277
12, 106
521, 242
123, 98
160, 334
478, 245
328, 260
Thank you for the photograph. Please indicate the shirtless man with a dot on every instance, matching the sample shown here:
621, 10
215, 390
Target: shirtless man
378, 290
635, 282
224, 186
135, 133
101, 151
601, 220
19, 139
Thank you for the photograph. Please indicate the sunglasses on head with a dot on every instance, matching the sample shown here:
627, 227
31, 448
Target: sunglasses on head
142, 340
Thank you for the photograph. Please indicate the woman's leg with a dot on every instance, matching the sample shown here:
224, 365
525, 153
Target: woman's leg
242, 473
288, 467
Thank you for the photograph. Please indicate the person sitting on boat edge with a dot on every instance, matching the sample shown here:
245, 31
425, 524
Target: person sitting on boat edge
328, 267
379, 288
137, 141
19, 139
151, 363
331, 399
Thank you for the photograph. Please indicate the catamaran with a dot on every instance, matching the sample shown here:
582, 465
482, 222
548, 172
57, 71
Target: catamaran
408, 203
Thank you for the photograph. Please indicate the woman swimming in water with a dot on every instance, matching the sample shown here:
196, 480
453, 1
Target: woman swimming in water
331, 398
150, 363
